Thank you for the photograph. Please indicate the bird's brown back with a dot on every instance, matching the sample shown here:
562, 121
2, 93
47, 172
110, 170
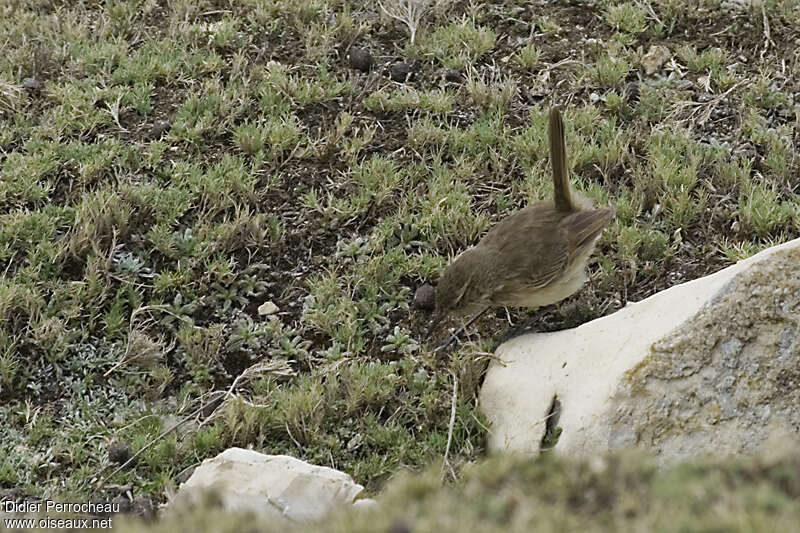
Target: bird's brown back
536, 246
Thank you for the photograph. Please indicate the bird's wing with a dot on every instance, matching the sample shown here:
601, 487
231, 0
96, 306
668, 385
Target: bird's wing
582, 227
548, 268
530, 248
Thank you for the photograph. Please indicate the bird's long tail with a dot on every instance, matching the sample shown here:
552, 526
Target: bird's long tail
558, 155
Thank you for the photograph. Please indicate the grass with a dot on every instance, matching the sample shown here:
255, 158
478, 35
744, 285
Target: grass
172, 168
619, 492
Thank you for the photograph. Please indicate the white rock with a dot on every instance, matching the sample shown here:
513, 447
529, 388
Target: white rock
365, 503
267, 308
277, 486
712, 365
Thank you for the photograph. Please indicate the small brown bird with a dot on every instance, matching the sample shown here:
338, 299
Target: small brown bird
534, 257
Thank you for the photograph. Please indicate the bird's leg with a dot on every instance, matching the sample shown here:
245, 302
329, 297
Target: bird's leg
454, 337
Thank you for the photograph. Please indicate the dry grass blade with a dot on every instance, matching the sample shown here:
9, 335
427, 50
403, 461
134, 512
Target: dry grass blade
409, 12
9, 94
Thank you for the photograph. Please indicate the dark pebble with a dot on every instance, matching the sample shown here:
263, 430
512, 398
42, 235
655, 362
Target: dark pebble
118, 452
425, 297
453, 76
400, 71
360, 59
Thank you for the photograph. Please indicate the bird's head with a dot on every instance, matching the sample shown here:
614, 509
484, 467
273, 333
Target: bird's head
460, 288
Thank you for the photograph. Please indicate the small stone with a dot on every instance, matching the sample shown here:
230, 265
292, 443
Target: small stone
267, 308
400, 72
31, 84
594, 98
655, 58
160, 128
276, 487
425, 297
453, 76
118, 452
360, 59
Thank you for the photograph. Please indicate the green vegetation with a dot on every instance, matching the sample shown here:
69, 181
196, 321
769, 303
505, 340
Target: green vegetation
167, 168
622, 492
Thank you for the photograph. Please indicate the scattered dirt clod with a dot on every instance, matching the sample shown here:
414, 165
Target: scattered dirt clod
425, 297
400, 72
360, 59
118, 452
453, 76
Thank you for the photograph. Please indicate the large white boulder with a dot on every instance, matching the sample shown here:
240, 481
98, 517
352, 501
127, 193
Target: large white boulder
709, 366
277, 486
